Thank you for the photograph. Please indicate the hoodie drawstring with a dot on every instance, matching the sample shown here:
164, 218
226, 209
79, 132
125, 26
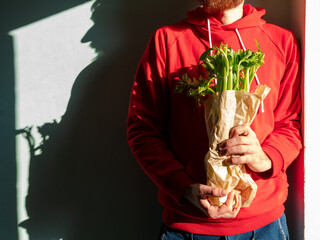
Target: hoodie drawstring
243, 47
240, 39
209, 33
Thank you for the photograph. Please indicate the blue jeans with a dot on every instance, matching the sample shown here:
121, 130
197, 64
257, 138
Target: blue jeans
276, 230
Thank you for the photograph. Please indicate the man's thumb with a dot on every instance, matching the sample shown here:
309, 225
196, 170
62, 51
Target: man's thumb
212, 191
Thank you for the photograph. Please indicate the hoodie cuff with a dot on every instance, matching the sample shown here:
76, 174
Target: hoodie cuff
276, 158
176, 186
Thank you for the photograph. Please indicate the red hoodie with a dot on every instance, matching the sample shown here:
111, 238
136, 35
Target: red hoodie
167, 131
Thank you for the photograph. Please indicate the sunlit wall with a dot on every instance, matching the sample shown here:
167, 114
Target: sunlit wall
312, 86
48, 56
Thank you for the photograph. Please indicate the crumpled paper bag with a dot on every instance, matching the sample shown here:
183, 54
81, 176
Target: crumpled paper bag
223, 111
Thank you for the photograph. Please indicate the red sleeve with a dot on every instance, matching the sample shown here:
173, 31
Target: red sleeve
284, 143
147, 117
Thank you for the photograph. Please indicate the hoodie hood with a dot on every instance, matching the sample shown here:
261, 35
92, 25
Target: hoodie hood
252, 17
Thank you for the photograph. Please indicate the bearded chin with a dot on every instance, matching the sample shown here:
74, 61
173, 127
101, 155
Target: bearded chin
216, 6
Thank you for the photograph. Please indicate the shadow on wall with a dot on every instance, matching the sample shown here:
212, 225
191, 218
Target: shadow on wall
85, 183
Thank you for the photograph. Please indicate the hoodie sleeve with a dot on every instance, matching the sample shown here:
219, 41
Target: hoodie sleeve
284, 143
147, 117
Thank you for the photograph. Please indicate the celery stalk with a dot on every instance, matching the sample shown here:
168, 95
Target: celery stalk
232, 70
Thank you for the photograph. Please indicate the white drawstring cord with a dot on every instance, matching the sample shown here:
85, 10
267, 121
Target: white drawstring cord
256, 76
240, 39
210, 41
209, 33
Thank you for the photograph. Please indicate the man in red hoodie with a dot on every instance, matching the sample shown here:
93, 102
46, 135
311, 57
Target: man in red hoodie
167, 132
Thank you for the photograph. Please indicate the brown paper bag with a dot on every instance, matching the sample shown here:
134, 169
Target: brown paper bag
223, 111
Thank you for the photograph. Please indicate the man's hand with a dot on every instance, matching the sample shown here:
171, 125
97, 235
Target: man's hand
244, 144
198, 194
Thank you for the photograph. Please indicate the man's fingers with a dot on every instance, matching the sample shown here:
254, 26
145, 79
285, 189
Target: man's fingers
230, 200
197, 194
239, 200
218, 192
205, 206
238, 140
237, 150
237, 160
228, 210
211, 191
205, 203
241, 130
236, 210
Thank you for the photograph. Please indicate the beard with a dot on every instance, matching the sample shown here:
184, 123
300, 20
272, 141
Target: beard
217, 6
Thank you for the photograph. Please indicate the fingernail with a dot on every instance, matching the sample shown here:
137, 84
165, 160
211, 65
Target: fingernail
222, 146
222, 152
234, 159
228, 161
223, 192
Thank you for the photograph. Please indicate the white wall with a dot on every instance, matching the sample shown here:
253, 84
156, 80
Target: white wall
312, 86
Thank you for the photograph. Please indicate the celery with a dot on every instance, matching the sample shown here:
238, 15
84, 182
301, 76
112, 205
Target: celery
229, 69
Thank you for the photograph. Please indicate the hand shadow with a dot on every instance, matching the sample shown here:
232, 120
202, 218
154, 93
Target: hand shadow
85, 184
